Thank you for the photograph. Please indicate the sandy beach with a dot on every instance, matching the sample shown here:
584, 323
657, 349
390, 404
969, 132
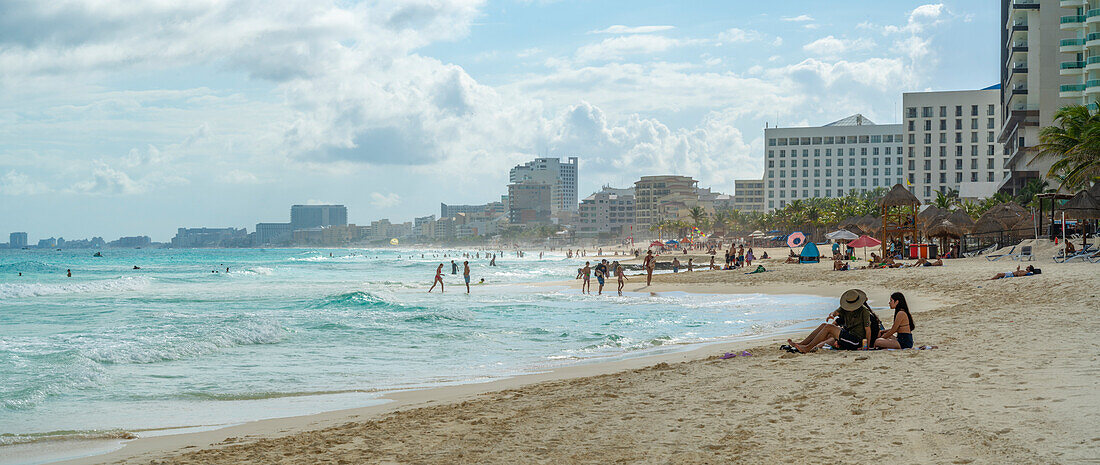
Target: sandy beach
1012, 381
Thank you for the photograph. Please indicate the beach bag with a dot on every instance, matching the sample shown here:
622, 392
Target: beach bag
876, 327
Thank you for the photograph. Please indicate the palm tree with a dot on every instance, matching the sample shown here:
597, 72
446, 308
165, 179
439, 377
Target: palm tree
1074, 141
1030, 190
946, 200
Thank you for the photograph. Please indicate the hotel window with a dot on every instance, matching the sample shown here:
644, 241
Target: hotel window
912, 165
828, 172
828, 140
851, 172
911, 112
989, 165
989, 123
782, 163
943, 151
943, 112
874, 172
782, 153
990, 177
887, 161
943, 125
973, 177
943, 178
958, 164
958, 124
943, 138
974, 163
989, 137
958, 151
928, 178
828, 162
839, 162
863, 171
852, 182
875, 182
991, 111
817, 162
974, 123
910, 179
862, 162
958, 110
804, 162
973, 110
991, 151
912, 138
805, 173
817, 173
817, 183
928, 165
926, 112
771, 142
782, 194
817, 152
912, 125
828, 183
887, 171
864, 139
863, 182
874, 161
851, 151
771, 163
973, 138
928, 138
927, 125
782, 184
943, 165
806, 152
805, 193
958, 177
927, 191
928, 151
888, 150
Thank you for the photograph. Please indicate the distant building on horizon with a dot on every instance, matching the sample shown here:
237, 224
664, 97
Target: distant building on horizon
851, 154
607, 212
272, 233
17, 240
131, 242
530, 202
561, 177
316, 216
653, 195
748, 195
209, 237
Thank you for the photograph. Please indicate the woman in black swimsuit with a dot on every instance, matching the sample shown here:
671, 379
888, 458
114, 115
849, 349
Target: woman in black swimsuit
902, 328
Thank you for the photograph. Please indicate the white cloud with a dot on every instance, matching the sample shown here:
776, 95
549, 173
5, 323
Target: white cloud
14, 183
798, 19
617, 48
921, 19
735, 35
380, 200
832, 47
620, 29
778, 41
108, 181
238, 177
529, 52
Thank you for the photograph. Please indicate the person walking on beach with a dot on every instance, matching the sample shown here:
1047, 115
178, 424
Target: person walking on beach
749, 257
622, 278
586, 278
691, 267
466, 274
675, 265
649, 263
601, 275
438, 279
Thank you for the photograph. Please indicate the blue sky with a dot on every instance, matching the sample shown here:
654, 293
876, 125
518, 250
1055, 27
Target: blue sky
118, 119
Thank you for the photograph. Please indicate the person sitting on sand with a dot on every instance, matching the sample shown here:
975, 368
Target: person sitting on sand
900, 334
839, 265
792, 257
764, 256
855, 331
759, 269
875, 258
1030, 270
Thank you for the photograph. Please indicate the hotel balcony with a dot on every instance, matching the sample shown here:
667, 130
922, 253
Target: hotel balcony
1072, 45
1092, 40
1093, 63
1092, 86
1092, 16
1072, 67
1072, 22
1071, 91
1025, 4
1072, 3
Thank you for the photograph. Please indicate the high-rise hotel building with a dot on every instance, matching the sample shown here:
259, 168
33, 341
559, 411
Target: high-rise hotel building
852, 154
1050, 56
951, 143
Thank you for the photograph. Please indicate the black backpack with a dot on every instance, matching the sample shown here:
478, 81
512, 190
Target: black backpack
876, 327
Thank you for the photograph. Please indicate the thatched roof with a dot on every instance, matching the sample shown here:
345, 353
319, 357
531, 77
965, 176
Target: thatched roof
1082, 206
961, 219
944, 228
1095, 190
929, 214
1007, 213
870, 224
898, 195
988, 224
1026, 227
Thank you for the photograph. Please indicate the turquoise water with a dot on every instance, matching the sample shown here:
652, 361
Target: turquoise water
290, 332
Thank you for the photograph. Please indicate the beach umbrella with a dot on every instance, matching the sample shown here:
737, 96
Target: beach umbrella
870, 224
960, 219
656, 244
1083, 207
672, 242
842, 235
863, 242
928, 215
796, 239
898, 196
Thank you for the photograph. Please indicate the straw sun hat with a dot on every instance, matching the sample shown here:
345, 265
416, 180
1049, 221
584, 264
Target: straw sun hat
852, 299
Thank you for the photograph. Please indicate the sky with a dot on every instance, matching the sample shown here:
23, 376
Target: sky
137, 118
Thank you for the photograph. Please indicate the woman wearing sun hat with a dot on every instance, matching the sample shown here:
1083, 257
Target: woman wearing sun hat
852, 330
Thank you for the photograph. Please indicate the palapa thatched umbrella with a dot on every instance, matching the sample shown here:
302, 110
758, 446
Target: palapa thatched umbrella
945, 228
1026, 224
1007, 213
1082, 206
870, 224
988, 224
928, 216
961, 220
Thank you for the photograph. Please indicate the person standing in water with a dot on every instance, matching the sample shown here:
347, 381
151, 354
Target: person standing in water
493, 261
586, 278
622, 278
438, 279
454, 267
466, 274
69, 273
649, 263
601, 275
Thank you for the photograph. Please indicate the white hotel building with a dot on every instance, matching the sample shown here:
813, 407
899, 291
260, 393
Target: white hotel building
951, 143
832, 160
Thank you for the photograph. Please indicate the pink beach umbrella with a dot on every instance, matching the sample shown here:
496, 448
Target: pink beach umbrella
796, 239
865, 241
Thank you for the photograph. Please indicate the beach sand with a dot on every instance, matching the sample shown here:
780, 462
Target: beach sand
1013, 380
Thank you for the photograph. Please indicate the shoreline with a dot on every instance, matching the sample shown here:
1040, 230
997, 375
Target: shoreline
109, 450
1012, 382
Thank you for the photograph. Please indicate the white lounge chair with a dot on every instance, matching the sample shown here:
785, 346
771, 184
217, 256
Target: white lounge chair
1025, 254
995, 257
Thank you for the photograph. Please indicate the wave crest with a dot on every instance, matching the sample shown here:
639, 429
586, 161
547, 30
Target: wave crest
121, 284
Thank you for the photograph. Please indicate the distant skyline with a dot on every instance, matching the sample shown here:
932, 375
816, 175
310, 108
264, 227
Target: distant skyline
120, 120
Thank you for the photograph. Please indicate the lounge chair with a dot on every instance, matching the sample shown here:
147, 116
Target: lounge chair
981, 252
1025, 254
1084, 255
995, 257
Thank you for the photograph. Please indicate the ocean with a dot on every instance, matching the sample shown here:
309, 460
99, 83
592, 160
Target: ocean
115, 351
